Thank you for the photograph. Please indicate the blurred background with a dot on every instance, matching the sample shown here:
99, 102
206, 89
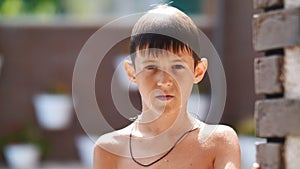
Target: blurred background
39, 43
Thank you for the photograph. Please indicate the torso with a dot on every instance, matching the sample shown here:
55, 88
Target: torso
190, 153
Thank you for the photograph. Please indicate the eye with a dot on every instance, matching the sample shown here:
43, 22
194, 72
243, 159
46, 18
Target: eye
178, 67
150, 67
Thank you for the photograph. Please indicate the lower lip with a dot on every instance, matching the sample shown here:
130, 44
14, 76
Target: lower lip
165, 98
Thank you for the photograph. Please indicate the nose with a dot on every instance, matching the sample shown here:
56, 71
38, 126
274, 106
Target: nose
164, 79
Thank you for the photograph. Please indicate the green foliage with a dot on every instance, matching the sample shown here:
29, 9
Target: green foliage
246, 127
11, 8
24, 134
59, 88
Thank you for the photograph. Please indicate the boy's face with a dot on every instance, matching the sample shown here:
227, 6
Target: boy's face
165, 81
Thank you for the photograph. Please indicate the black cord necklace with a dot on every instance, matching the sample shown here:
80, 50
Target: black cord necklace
149, 164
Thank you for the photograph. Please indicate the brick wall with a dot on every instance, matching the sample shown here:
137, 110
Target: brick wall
276, 33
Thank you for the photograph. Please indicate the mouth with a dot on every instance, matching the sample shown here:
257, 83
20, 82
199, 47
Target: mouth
165, 97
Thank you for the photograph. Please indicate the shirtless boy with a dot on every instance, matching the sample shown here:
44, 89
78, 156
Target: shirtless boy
165, 136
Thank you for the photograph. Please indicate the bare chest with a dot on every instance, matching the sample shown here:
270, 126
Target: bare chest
185, 156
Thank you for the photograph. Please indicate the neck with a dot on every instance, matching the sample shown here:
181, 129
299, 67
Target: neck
152, 123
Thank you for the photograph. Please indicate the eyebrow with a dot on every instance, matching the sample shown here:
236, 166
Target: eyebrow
149, 61
177, 60
154, 61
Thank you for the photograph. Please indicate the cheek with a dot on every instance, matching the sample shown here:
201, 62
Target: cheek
144, 84
185, 88
184, 79
185, 84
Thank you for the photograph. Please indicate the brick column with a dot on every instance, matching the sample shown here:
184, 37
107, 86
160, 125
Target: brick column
276, 32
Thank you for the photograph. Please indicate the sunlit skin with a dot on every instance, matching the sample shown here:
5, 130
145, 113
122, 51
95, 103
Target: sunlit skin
165, 82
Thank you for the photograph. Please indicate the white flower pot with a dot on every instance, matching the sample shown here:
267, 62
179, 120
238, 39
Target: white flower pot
22, 156
85, 147
54, 111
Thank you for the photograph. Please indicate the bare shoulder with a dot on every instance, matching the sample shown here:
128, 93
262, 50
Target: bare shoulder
104, 157
114, 142
110, 139
217, 134
224, 141
109, 148
225, 133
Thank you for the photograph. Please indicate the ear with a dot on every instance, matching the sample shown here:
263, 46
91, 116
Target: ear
129, 69
200, 70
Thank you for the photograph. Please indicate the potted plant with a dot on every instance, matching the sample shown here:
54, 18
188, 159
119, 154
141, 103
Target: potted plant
23, 147
54, 107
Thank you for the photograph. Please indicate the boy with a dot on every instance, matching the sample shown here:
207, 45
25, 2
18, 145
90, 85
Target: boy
165, 136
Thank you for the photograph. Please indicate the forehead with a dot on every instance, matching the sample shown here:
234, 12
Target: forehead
161, 54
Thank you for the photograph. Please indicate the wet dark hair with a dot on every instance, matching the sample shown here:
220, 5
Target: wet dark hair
165, 28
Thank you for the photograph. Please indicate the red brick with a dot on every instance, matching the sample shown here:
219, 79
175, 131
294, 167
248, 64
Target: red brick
276, 29
291, 3
268, 155
267, 72
277, 117
292, 152
260, 4
291, 72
